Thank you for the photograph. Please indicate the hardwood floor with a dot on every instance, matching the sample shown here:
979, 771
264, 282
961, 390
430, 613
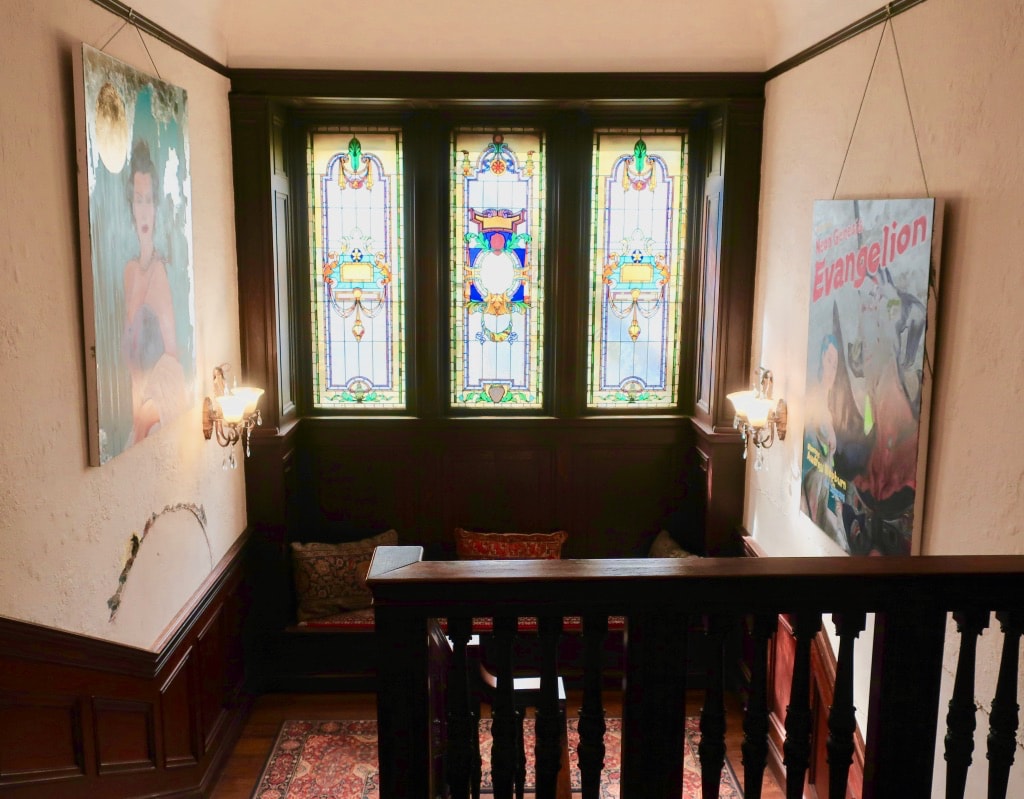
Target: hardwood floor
250, 754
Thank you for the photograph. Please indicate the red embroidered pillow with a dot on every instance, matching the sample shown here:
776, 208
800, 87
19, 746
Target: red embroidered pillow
331, 578
471, 545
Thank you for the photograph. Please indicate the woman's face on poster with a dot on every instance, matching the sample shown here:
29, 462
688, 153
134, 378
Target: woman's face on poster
143, 211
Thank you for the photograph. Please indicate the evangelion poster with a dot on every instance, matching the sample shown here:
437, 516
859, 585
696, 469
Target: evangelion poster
874, 267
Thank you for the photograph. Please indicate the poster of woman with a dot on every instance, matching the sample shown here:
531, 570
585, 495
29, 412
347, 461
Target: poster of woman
874, 272
136, 230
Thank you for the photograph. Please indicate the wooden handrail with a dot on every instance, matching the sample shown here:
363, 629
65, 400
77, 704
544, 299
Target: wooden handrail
621, 586
912, 596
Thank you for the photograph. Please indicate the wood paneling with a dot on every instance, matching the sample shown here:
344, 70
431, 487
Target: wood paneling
499, 487
179, 713
212, 659
609, 483
82, 717
40, 737
618, 493
125, 735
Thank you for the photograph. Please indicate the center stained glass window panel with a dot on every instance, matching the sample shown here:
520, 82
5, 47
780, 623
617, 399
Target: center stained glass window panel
497, 270
638, 224
357, 269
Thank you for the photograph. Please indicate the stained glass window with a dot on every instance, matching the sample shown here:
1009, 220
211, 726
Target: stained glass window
638, 224
357, 270
497, 249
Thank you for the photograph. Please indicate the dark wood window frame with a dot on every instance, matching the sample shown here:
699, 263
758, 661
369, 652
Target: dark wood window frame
271, 112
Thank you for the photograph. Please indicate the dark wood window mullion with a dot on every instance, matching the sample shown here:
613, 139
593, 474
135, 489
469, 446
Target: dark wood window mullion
567, 264
427, 263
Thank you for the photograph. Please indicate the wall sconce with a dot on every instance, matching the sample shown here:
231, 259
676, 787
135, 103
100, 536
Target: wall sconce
231, 414
759, 418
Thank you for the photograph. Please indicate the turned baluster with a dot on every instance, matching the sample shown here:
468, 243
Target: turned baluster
506, 745
755, 722
463, 774
960, 721
711, 749
842, 717
797, 748
550, 721
590, 749
1002, 743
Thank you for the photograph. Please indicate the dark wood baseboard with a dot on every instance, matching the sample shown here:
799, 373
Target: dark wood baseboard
83, 717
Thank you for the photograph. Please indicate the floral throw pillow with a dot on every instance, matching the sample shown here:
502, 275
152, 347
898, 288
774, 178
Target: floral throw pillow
331, 578
664, 546
471, 545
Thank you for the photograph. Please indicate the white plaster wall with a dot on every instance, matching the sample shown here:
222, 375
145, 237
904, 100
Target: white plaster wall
964, 68
65, 526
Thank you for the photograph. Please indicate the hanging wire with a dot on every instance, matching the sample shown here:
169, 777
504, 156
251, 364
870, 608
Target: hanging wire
108, 41
906, 97
146, 48
861, 106
932, 277
131, 21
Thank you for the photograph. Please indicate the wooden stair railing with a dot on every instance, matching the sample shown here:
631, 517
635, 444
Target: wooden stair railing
912, 598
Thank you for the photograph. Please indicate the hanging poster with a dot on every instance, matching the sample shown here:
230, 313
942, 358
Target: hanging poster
135, 221
874, 272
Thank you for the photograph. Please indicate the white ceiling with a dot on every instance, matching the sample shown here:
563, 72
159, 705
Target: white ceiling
528, 36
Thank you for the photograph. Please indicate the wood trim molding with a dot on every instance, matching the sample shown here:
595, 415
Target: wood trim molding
751, 547
677, 89
161, 34
856, 28
27, 641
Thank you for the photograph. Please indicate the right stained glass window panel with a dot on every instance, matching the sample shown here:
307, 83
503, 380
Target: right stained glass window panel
638, 224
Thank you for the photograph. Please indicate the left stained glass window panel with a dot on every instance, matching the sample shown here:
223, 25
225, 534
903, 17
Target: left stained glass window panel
357, 270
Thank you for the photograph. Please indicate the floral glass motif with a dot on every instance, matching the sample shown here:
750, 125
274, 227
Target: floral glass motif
638, 223
497, 269
357, 270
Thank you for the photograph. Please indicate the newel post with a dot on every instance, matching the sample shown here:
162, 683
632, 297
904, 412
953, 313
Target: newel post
403, 713
906, 673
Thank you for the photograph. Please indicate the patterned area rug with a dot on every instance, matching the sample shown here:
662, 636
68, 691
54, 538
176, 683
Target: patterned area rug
338, 760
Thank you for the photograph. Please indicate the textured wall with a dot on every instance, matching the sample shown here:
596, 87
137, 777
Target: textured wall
65, 526
964, 67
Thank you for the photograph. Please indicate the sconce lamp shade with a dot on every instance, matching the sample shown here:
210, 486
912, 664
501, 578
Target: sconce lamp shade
232, 406
741, 401
252, 396
759, 409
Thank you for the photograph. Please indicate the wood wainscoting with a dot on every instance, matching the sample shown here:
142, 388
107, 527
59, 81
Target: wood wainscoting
781, 658
81, 717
